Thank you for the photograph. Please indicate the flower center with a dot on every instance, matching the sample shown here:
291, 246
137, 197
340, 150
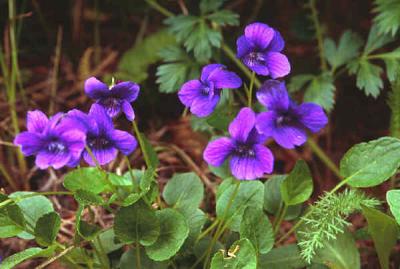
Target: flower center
284, 119
98, 143
110, 102
56, 147
254, 58
245, 150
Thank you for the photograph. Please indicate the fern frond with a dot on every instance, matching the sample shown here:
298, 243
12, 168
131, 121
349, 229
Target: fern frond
394, 104
328, 219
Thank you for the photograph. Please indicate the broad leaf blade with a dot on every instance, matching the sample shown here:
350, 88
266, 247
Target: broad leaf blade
370, 164
174, 230
384, 232
137, 223
298, 185
257, 228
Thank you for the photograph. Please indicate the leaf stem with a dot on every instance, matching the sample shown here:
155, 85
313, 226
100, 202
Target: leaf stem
142, 145
250, 94
90, 152
318, 33
159, 8
209, 229
138, 262
280, 217
323, 157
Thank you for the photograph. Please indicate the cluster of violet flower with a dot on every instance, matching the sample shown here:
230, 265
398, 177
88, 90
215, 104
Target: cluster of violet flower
65, 138
286, 122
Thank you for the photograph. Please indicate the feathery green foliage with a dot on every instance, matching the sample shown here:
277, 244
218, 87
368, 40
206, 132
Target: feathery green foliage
328, 218
388, 15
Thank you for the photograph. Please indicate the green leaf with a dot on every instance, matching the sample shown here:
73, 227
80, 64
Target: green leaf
171, 76
347, 49
195, 34
14, 214
202, 246
184, 192
134, 62
210, 5
174, 231
249, 193
241, 255
29, 253
286, 257
224, 17
108, 241
388, 16
137, 223
47, 228
86, 197
8, 228
129, 261
299, 81
273, 198
392, 69
376, 40
370, 164
88, 178
257, 228
195, 221
321, 91
341, 253
87, 230
393, 199
384, 232
32, 208
368, 76
298, 185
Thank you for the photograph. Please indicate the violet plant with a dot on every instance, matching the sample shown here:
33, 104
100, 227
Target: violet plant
175, 227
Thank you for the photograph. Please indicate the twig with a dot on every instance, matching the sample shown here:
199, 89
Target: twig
53, 259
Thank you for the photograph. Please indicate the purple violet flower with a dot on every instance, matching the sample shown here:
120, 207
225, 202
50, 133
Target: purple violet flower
249, 158
114, 99
101, 136
202, 95
54, 142
286, 121
259, 49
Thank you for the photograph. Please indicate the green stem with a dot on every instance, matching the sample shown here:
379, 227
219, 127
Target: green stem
159, 8
16, 200
318, 33
101, 253
208, 230
106, 177
250, 94
142, 145
138, 262
280, 218
323, 157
